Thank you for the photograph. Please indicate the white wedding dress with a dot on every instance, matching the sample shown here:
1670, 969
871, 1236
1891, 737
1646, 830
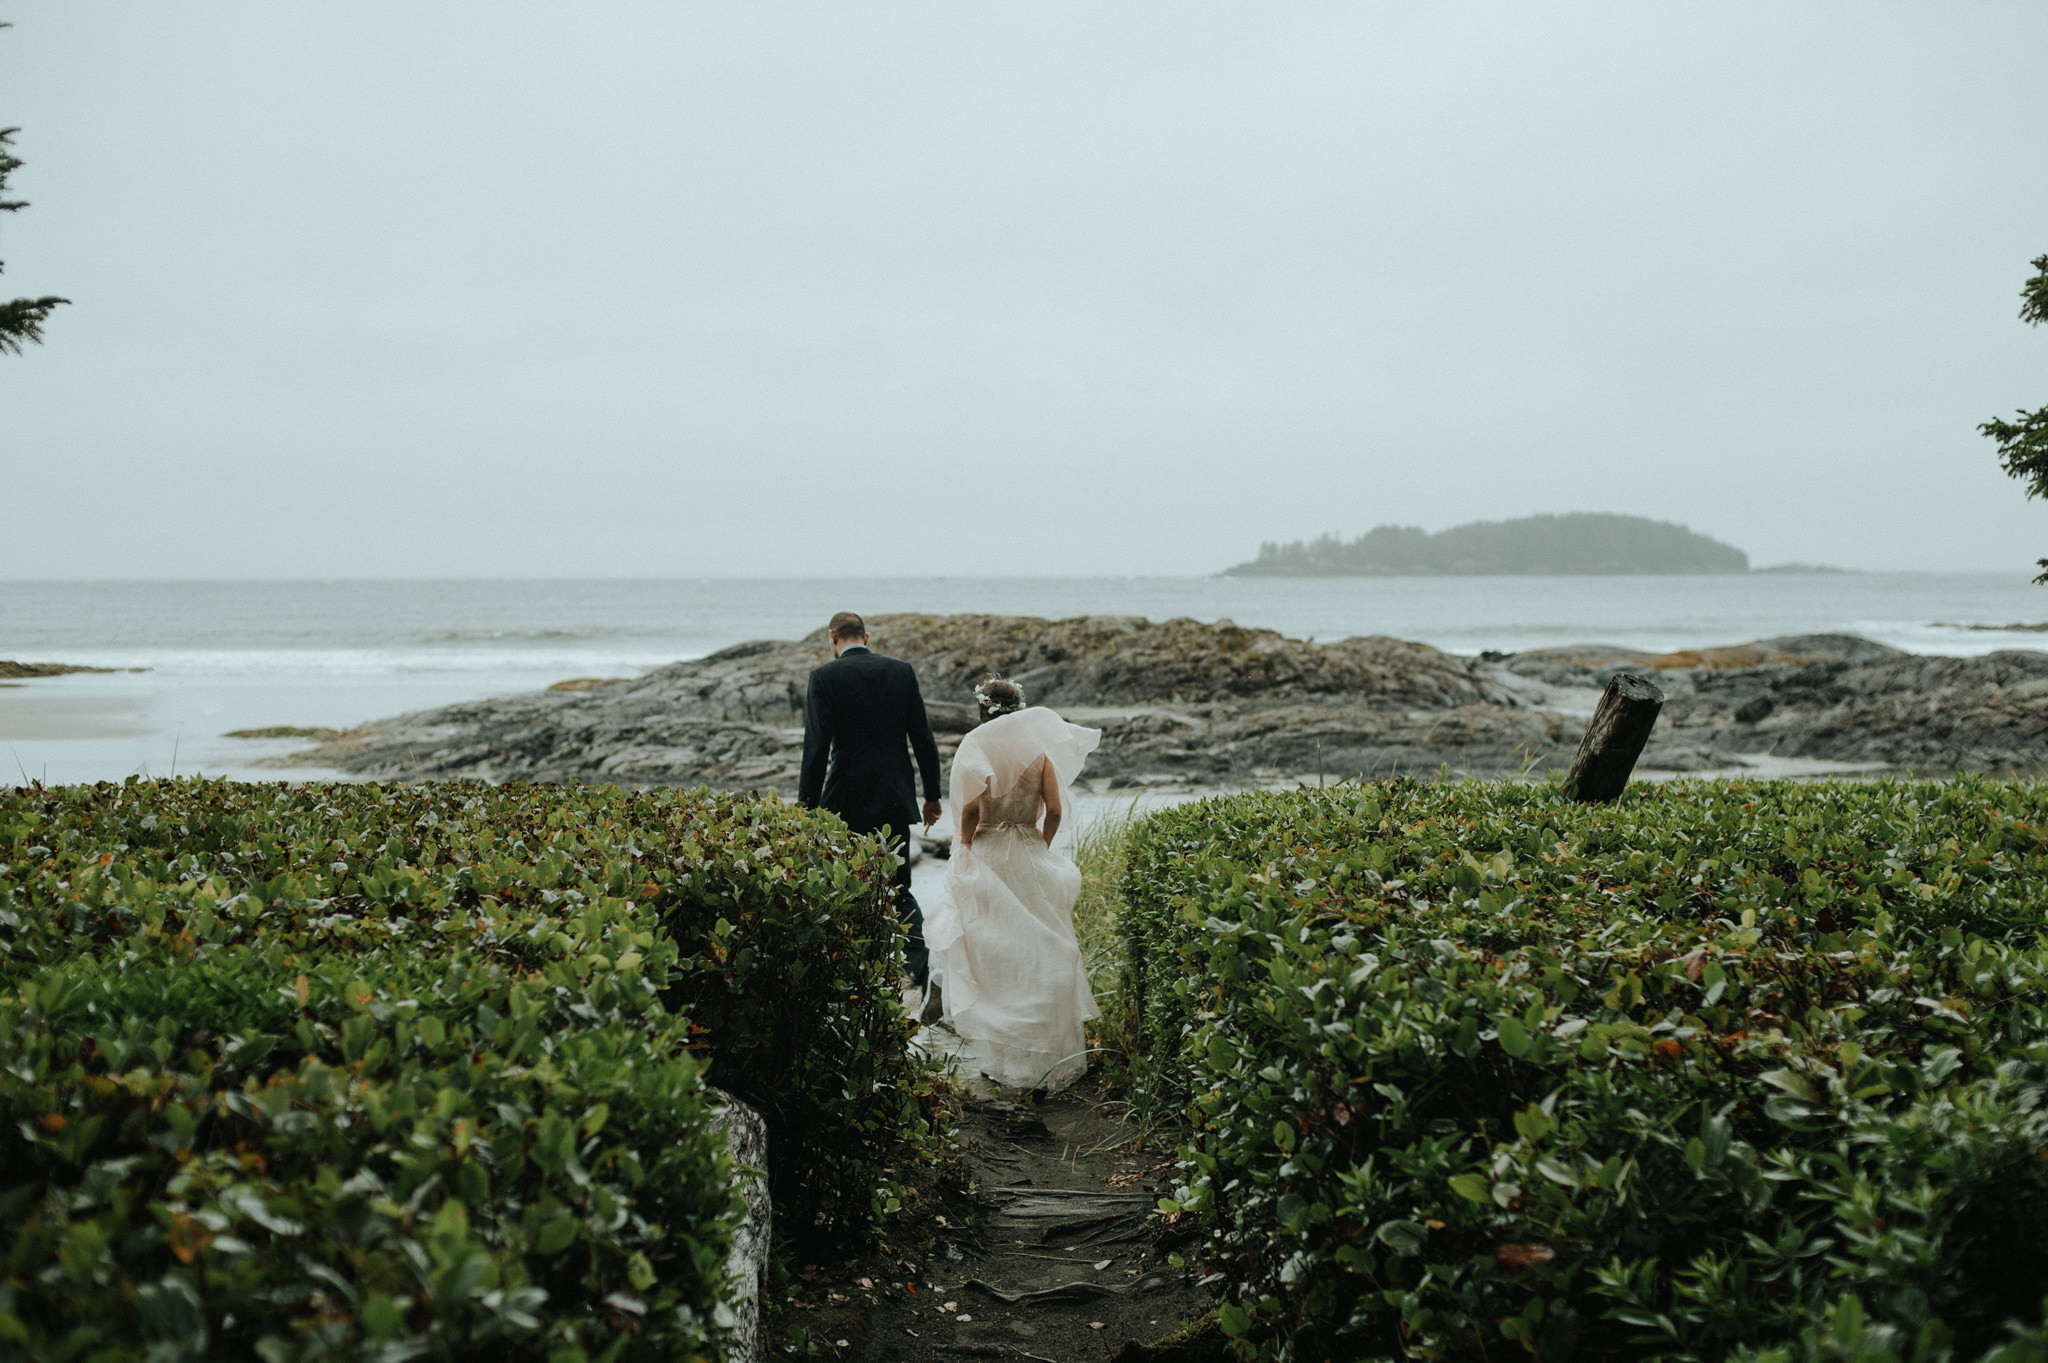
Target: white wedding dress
1002, 937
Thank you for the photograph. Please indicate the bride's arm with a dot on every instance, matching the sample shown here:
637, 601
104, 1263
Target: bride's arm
970, 821
1049, 787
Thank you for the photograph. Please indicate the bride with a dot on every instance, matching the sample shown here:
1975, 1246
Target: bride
1002, 943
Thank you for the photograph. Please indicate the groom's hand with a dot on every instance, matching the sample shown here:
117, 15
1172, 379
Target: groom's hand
931, 812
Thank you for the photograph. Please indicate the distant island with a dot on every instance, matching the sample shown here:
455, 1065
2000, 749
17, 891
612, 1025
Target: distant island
1583, 542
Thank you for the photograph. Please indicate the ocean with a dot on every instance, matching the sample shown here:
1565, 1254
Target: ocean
221, 656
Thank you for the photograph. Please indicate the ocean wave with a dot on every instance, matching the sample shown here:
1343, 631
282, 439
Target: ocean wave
537, 666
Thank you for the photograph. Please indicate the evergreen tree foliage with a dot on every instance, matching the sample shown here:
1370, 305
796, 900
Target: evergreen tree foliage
2023, 444
1584, 542
21, 320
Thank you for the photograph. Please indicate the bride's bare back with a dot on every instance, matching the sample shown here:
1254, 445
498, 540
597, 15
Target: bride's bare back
1036, 791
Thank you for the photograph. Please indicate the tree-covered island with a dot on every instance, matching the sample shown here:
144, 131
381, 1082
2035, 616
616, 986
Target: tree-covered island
1583, 542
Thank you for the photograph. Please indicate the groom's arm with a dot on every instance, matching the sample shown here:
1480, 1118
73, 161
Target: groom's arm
810, 784
922, 743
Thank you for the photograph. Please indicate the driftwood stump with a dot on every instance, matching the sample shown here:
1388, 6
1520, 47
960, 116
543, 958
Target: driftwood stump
1614, 740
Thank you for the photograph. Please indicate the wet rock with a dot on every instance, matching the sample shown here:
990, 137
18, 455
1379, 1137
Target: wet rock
735, 719
1186, 704
746, 1267
1109, 660
1578, 665
1922, 714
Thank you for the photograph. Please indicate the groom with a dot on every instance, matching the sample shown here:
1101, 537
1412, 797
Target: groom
861, 709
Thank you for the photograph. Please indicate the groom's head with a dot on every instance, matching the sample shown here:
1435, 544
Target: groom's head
846, 630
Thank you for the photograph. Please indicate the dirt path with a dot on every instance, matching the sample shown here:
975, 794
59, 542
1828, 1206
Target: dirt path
1046, 1250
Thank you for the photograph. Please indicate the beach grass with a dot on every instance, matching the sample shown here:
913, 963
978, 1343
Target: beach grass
1099, 850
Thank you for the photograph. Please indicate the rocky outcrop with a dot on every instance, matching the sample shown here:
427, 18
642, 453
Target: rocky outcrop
1115, 660
1913, 711
1180, 702
735, 718
1592, 664
746, 1267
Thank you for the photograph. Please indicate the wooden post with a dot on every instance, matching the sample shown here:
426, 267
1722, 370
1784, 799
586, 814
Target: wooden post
1614, 740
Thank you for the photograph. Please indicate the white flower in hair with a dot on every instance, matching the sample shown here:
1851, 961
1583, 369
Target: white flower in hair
996, 706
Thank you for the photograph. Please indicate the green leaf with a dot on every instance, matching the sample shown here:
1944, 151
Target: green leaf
382, 1317
1793, 1083
1471, 1187
1532, 1122
1402, 1237
1514, 1037
556, 1234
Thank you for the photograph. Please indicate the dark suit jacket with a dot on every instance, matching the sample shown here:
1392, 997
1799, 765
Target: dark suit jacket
861, 709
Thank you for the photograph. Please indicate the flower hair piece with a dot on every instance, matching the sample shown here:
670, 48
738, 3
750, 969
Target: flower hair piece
999, 696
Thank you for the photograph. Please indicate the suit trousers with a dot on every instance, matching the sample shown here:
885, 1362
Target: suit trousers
915, 954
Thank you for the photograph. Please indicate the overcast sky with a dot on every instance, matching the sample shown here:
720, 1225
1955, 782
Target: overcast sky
503, 289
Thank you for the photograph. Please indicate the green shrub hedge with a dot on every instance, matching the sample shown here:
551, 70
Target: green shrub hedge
1754, 1070
288, 1072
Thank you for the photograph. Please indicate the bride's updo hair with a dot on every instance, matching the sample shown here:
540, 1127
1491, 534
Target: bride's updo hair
998, 697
